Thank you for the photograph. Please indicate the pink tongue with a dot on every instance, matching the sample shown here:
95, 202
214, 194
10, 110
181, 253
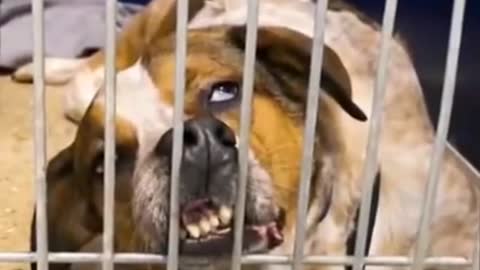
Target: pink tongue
271, 234
275, 237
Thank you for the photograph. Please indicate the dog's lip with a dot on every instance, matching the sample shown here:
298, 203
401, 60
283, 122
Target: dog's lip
256, 238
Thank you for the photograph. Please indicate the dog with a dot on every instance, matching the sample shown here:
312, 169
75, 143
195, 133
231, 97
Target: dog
145, 61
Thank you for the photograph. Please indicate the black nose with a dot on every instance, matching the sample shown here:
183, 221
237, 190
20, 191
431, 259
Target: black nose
209, 166
208, 131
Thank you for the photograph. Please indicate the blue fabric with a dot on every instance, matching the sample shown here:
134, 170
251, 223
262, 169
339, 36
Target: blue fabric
72, 28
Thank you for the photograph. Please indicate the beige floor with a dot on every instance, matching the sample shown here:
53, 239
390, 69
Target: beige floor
16, 159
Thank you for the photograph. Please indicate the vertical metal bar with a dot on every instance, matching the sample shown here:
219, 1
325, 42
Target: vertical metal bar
316, 64
376, 118
180, 57
109, 157
476, 253
245, 118
442, 130
39, 123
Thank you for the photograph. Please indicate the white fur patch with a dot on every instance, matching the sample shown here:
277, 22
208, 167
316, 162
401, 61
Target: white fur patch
81, 90
138, 101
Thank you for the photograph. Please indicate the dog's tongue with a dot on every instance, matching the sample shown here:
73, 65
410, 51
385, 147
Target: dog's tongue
262, 238
270, 234
274, 236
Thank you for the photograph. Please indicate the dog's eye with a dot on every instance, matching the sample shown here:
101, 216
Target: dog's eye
223, 92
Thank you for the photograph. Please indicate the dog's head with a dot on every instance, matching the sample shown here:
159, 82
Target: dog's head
209, 173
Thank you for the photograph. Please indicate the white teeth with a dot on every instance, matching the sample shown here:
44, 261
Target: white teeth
223, 231
214, 221
193, 230
209, 223
204, 226
225, 215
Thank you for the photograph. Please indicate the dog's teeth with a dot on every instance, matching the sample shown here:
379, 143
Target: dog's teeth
214, 221
223, 231
225, 215
193, 230
204, 226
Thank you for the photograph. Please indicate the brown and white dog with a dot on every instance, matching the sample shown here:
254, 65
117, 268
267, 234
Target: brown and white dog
208, 181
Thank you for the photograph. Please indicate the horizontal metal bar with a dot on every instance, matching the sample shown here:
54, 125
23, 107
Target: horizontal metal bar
442, 132
140, 258
350, 260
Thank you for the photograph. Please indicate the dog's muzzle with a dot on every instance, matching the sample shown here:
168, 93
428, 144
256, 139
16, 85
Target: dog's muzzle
208, 185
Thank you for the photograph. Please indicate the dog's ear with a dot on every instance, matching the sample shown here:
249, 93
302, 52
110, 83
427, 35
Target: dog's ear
71, 220
287, 54
156, 20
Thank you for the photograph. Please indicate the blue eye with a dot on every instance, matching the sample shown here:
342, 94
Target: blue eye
223, 92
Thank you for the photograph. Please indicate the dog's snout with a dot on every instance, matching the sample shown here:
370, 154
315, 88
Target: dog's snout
200, 135
209, 161
207, 132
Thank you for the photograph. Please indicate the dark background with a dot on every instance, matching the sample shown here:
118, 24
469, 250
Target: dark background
425, 25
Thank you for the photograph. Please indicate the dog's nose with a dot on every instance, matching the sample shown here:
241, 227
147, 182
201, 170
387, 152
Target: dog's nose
207, 132
209, 164
200, 136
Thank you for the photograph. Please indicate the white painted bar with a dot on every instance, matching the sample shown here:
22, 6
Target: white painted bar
309, 133
442, 130
244, 140
180, 58
40, 140
376, 118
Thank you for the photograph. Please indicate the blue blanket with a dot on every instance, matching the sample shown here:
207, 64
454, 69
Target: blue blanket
72, 28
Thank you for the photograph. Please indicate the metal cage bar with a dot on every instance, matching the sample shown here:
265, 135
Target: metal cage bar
109, 157
108, 257
442, 131
140, 258
309, 134
40, 140
476, 253
245, 116
376, 118
180, 60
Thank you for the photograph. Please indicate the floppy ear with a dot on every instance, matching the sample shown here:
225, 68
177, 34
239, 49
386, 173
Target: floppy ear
156, 20
71, 221
287, 54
